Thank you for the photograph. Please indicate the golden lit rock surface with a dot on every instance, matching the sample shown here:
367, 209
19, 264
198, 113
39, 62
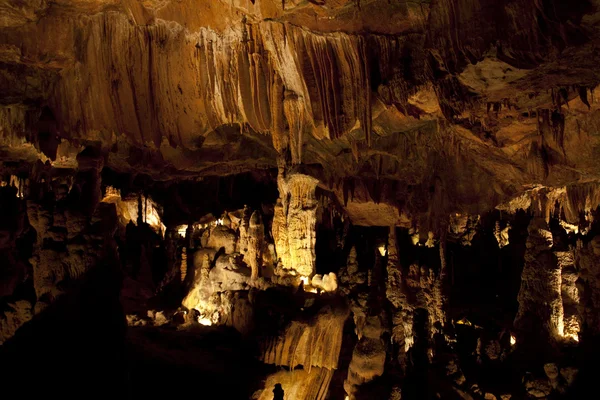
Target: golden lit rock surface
314, 342
294, 224
223, 87
322, 199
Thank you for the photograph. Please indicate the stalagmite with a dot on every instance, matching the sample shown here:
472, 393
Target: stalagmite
540, 314
396, 296
244, 230
588, 261
327, 282
294, 224
368, 358
256, 233
183, 264
501, 235
200, 290
569, 294
352, 282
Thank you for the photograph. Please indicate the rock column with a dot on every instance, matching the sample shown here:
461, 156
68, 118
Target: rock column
540, 315
294, 224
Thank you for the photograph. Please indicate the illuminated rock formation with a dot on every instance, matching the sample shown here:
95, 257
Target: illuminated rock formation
327, 283
238, 175
312, 343
501, 234
294, 224
222, 236
569, 294
200, 289
463, 228
254, 253
368, 358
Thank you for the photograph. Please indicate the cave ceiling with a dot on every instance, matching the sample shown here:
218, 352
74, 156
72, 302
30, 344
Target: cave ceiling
394, 106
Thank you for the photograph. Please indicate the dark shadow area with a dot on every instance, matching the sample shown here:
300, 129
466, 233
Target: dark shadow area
74, 348
81, 347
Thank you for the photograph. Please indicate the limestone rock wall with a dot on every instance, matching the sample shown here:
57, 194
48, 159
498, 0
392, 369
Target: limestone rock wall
312, 343
221, 77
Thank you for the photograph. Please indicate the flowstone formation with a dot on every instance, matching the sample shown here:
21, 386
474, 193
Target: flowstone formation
324, 199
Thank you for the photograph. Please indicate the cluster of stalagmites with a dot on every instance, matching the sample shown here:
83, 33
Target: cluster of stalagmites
232, 257
236, 254
232, 261
556, 300
230, 265
559, 282
70, 231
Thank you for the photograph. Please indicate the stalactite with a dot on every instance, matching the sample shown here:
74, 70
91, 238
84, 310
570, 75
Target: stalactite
280, 138
442, 250
293, 107
558, 129
583, 95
